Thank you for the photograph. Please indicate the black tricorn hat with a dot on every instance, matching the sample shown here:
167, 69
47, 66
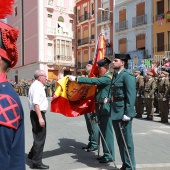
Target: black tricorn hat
103, 62
90, 62
123, 56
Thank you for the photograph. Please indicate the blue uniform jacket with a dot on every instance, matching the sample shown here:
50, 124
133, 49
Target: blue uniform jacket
12, 144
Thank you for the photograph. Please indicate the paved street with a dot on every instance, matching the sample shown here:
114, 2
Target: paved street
66, 136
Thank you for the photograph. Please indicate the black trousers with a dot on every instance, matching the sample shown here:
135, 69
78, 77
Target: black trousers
39, 136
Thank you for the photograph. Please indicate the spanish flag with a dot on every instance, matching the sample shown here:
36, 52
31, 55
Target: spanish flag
72, 99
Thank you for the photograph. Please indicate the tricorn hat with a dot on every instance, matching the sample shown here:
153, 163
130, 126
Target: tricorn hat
103, 62
8, 46
123, 56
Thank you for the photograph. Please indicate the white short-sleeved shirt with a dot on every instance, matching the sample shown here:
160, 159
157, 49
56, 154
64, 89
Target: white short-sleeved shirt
37, 95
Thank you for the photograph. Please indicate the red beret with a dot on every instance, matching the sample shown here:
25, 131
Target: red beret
8, 46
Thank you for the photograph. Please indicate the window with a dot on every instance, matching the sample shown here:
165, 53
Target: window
49, 49
49, 20
92, 9
160, 42
160, 7
122, 45
63, 48
68, 49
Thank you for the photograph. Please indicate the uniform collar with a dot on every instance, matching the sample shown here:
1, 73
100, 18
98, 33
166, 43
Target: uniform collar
3, 77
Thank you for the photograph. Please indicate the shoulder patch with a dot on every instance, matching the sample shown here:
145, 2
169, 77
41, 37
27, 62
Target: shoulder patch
109, 76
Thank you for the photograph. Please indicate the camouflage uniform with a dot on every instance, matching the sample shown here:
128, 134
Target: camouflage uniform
139, 106
163, 95
149, 90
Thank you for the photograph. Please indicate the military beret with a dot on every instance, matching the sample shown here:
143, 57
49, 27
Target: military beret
164, 72
103, 62
137, 71
90, 62
150, 73
8, 46
123, 56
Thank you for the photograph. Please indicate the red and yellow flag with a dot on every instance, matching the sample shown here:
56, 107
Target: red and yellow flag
72, 99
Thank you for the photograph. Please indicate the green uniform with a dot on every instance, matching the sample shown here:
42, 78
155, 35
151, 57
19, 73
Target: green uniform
149, 90
103, 111
139, 99
93, 131
123, 91
163, 96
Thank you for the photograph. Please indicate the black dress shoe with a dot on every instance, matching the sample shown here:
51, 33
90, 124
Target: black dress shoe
91, 149
105, 160
40, 166
30, 156
100, 158
84, 147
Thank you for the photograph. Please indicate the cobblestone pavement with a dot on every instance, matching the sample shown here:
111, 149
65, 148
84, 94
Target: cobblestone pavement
66, 136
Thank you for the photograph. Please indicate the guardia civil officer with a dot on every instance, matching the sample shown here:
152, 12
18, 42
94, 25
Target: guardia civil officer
149, 92
122, 109
139, 94
102, 107
163, 96
90, 123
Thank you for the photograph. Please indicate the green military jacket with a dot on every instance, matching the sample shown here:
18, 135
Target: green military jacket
103, 86
150, 87
163, 88
139, 85
123, 91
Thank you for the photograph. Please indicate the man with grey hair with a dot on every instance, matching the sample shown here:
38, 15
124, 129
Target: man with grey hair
38, 105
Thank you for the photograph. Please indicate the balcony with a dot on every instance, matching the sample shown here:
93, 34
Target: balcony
50, 59
167, 54
51, 31
82, 65
64, 32
139, 20
103, 18
50, 4
122, 25
83, 41
159, 16
84, 17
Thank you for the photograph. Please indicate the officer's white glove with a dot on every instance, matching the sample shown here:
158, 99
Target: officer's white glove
72, 78
137, 95
164, 99
125, 118
148, 96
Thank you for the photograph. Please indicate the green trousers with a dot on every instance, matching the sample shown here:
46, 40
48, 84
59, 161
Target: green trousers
127, 132
92, 130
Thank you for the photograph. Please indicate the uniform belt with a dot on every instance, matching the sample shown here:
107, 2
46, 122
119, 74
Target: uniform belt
118, 99
43, 111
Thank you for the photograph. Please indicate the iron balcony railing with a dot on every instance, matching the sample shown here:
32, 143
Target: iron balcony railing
84, 17
122, 25
139, 20
159, 16
83, 41
81, 65
103, 18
